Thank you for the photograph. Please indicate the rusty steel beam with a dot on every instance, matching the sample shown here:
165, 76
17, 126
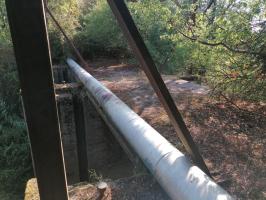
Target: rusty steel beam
136, 42
30, 41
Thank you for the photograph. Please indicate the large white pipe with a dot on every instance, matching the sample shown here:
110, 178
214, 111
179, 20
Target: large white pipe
173, 171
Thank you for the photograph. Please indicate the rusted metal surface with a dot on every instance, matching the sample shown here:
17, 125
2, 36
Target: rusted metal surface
29, 35
136, 42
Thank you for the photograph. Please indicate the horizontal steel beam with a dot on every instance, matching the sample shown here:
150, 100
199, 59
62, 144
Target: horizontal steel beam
173, 171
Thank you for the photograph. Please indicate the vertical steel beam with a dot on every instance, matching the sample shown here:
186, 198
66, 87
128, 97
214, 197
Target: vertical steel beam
136, 42
81, 138
29, 35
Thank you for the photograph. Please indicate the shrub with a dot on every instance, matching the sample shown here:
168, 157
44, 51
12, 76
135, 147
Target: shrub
15, 160
67, 13
101, 35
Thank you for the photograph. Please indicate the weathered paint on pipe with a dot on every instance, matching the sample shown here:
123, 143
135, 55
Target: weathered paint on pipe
173, 171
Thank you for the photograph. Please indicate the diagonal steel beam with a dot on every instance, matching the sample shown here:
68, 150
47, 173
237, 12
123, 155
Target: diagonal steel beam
136, 42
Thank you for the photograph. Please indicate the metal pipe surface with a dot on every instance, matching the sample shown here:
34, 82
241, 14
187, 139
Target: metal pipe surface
173, 171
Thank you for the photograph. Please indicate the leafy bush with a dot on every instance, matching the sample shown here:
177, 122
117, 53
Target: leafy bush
152, 19
237, 77
67, 13
15, 160
101, 35
216, 37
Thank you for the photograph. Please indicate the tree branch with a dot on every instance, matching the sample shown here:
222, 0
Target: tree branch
209, 5
220, 44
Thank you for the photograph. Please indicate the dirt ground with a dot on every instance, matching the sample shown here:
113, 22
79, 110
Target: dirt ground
231, 140
135, 188
142, 187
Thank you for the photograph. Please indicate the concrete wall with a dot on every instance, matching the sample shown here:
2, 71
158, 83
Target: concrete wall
102, 148
67, 126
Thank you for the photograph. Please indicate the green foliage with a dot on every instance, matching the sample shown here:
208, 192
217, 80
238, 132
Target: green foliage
151, 17
4, 33
15, 162
67, 13
238, 77
229, 40
221, 37
100, 34
9, 86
